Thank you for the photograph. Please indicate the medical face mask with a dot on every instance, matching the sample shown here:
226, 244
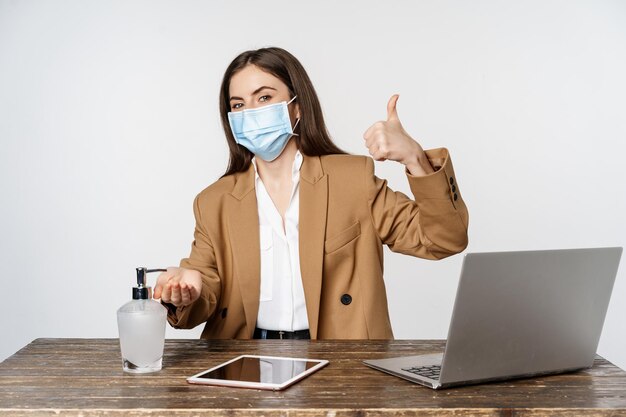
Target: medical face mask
265, 130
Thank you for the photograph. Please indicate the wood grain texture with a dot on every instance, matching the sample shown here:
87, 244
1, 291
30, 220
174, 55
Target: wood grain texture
85, 377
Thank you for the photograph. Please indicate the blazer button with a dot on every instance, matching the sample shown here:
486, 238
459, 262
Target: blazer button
451, 180
346, 299
224, 311
455, 196
454, 188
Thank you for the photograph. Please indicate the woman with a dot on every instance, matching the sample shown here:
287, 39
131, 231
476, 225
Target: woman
288, 243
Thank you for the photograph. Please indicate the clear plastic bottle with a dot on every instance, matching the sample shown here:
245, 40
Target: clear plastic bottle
141, 323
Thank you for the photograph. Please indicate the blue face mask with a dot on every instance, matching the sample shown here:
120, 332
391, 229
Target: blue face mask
265, 130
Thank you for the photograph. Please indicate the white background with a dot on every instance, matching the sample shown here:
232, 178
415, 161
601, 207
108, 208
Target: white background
109, 127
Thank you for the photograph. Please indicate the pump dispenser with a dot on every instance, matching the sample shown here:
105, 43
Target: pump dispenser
141, 324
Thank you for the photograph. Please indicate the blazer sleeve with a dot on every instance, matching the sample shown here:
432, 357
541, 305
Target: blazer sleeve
202, 259
434, 225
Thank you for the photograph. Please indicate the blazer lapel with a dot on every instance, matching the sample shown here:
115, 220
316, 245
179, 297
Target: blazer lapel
312, 232
243, 224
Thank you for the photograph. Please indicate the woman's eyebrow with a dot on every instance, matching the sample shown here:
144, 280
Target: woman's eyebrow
253, 93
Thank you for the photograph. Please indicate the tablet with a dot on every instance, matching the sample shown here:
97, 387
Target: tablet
260, 372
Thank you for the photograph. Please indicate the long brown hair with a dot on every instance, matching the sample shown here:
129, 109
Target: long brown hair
313, 139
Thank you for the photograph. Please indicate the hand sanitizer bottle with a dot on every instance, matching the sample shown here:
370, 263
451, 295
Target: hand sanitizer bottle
141, 324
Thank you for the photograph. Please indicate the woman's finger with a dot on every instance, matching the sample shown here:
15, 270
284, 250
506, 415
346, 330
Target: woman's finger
193, 294
373, 150
185, 297
158, 288
166, 294
371, 139
162, 279
372, 129
392, 112
175, 297
379, 153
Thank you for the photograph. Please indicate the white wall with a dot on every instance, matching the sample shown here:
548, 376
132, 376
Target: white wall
109, 127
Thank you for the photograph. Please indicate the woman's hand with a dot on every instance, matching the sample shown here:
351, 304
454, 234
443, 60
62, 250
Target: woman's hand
388, 140
178, 286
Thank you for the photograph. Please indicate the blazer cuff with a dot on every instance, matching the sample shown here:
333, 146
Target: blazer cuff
175, 315
441, 184
187, 317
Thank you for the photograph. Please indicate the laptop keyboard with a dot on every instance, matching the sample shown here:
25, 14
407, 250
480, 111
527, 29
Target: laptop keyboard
431, 371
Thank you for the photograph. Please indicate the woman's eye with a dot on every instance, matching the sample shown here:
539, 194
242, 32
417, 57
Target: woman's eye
264, 98
236, 106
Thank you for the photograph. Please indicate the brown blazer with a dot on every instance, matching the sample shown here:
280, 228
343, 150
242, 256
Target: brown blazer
346, 215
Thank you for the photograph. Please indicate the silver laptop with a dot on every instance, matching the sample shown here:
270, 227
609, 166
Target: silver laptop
519, 314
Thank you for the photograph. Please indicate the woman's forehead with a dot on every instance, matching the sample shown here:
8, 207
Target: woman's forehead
249, 79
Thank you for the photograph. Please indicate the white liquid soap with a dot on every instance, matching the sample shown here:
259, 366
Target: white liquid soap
141, 323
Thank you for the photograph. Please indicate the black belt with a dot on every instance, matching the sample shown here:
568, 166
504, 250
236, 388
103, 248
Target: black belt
279, 334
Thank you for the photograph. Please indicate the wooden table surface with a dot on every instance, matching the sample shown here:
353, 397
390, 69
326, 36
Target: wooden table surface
85, 377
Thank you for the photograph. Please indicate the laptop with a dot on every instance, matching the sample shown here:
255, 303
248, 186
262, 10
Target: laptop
519, 314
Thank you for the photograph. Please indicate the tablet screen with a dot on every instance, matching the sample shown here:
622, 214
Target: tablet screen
265, 370
260, 372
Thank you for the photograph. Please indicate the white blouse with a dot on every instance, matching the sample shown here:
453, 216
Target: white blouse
282, 305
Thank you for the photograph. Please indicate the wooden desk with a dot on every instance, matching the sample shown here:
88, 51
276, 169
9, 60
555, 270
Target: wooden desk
85, 377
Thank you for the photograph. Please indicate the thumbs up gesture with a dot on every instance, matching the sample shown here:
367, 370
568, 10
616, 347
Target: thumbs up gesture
388, 140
